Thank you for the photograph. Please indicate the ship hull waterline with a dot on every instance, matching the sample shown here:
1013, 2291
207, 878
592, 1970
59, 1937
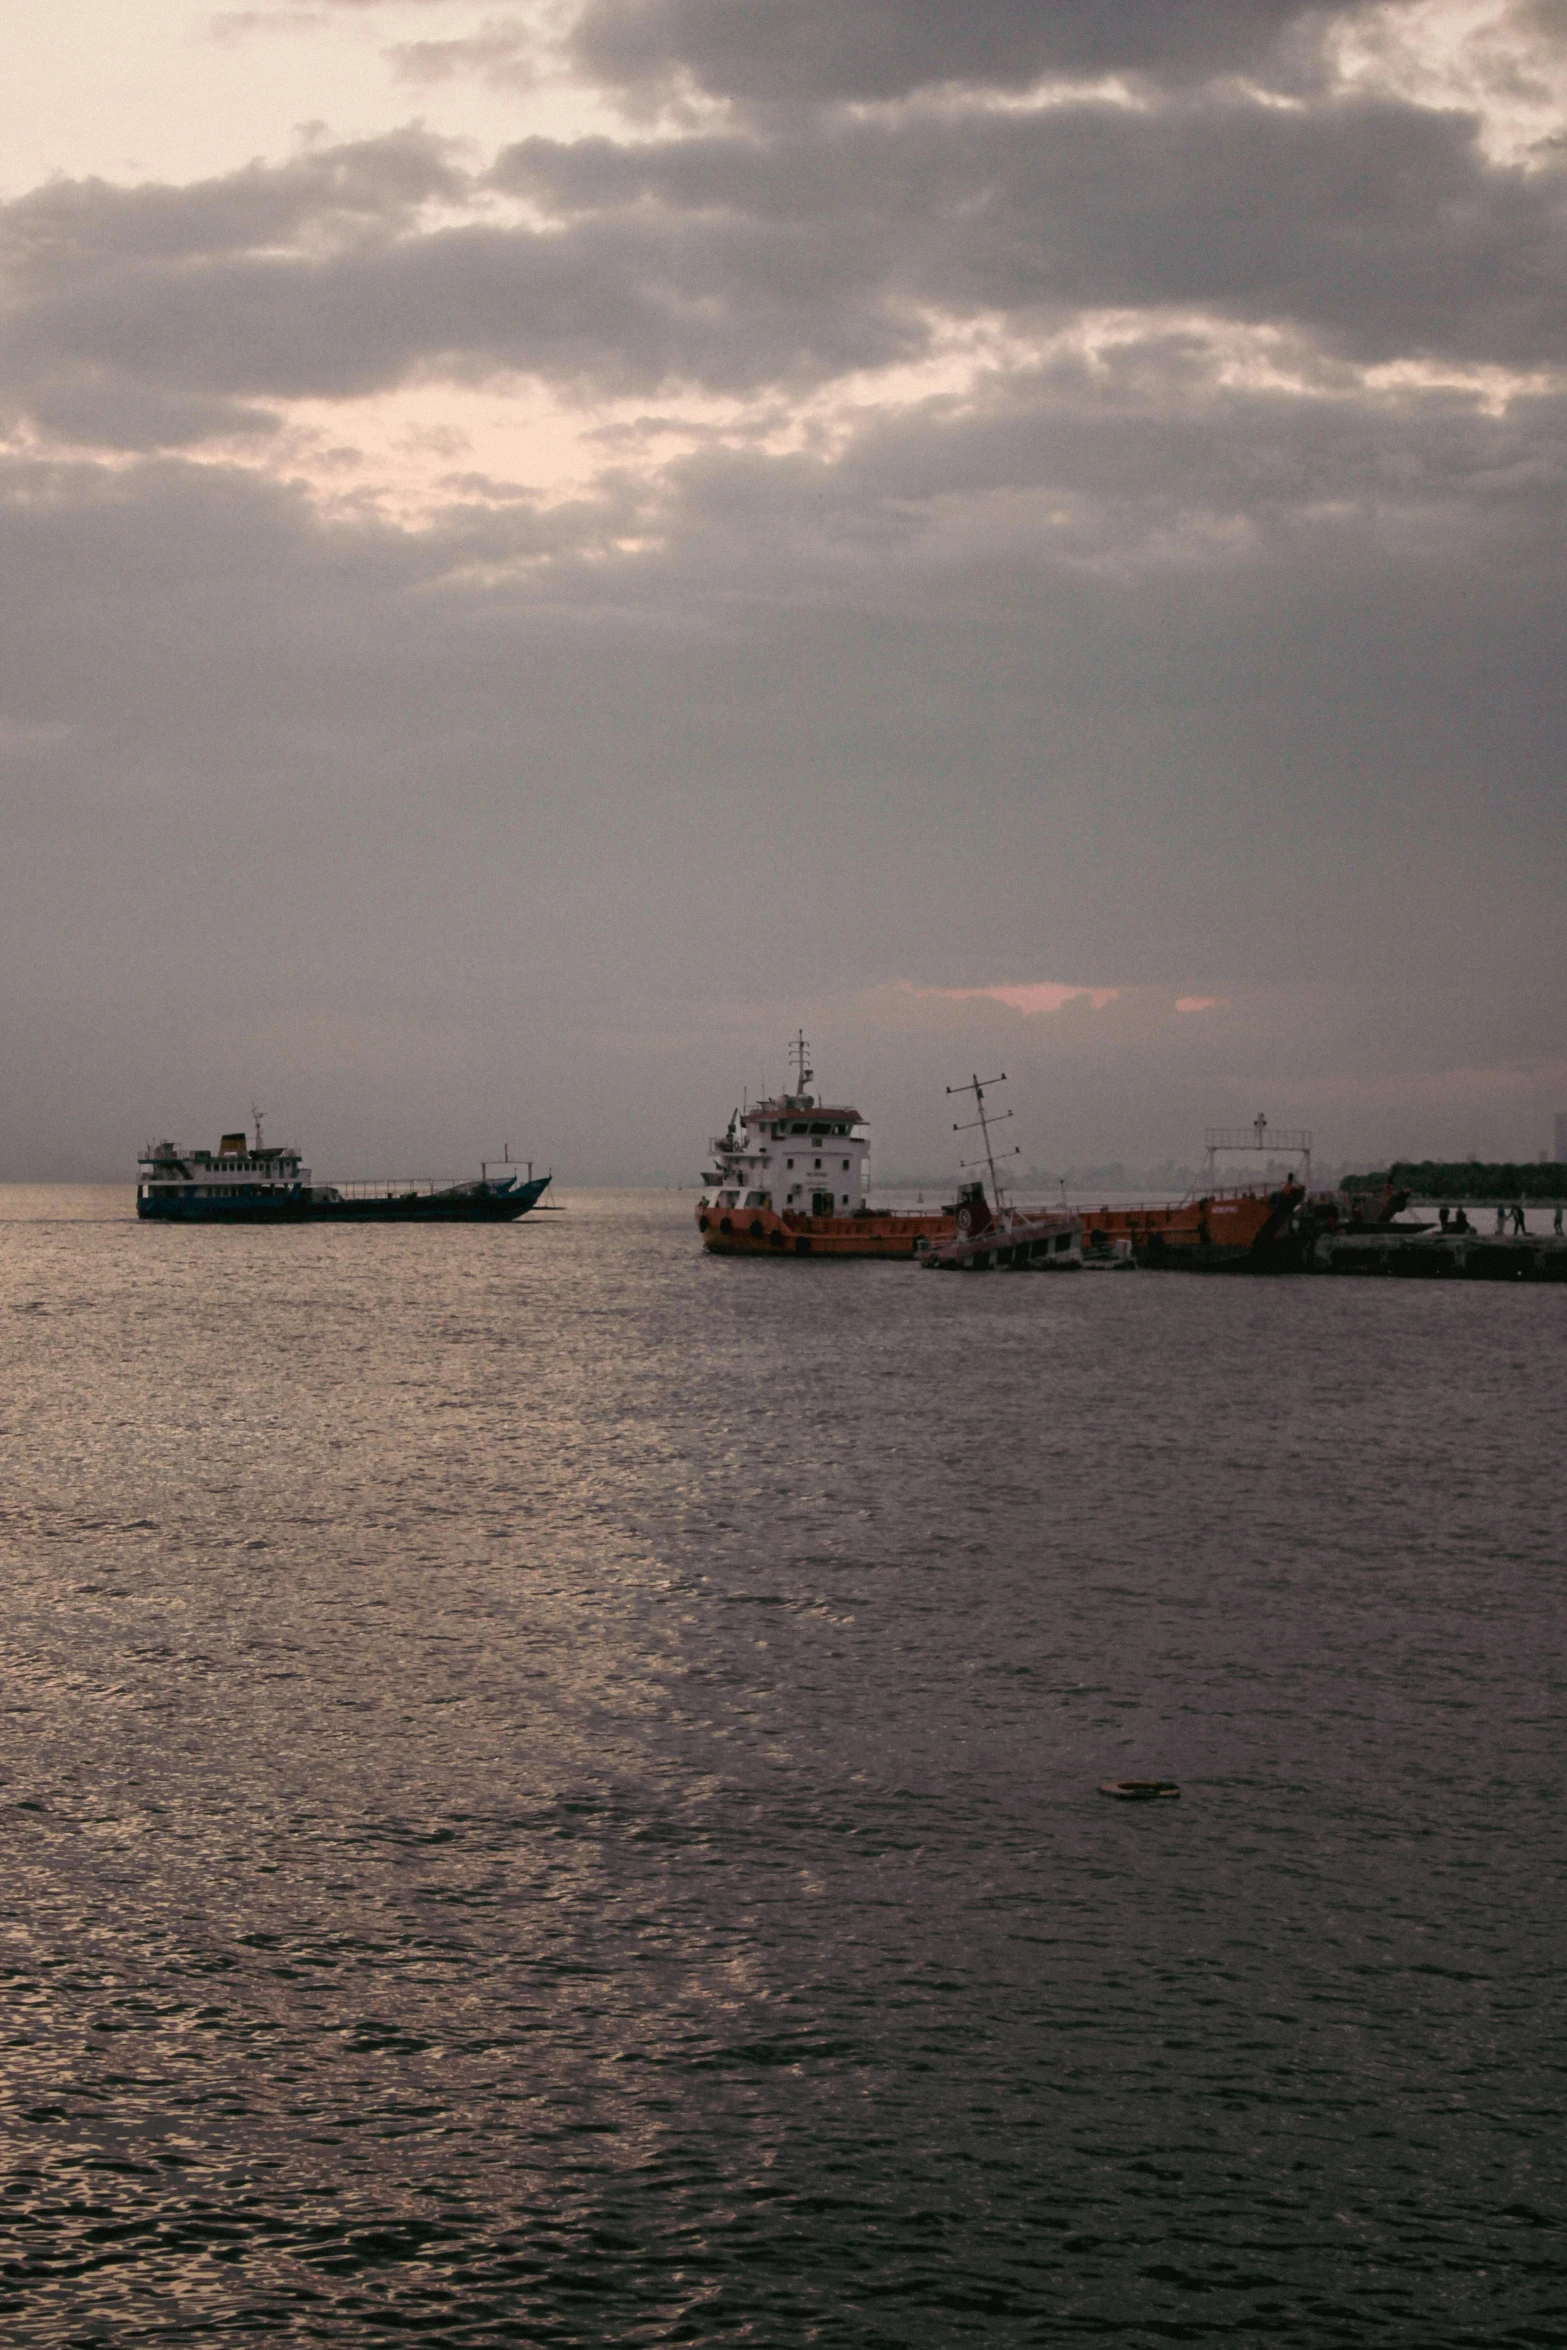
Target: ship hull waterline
1239, 1231
1242, 1232
493, 1207
771, 1232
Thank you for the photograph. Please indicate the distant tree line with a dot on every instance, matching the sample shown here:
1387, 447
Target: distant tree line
1466, 1179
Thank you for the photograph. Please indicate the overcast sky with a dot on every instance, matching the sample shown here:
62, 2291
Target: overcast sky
546, 545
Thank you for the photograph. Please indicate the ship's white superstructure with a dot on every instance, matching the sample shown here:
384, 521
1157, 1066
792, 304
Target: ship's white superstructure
792, 1153
237, 1170
788, 1179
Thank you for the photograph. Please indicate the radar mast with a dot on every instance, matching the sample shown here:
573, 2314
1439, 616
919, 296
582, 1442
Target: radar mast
805, 1075
982, 1125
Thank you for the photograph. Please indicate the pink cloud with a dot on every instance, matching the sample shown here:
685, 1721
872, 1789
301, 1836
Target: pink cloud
1029, 998
1197, 1003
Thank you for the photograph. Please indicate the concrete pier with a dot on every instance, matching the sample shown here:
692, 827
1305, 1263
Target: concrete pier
1442, 1256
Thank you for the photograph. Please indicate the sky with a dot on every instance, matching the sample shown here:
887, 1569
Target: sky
547, 546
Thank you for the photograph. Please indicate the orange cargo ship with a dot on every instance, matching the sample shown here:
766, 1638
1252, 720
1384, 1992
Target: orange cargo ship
1243, 1228
788, 1179
1226, 1231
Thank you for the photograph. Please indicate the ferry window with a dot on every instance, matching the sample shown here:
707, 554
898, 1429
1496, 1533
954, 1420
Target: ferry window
817, 1162
846, 1166
788, 1162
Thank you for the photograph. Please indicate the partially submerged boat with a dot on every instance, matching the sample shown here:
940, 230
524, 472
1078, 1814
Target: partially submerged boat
1009, 1240
993, 1236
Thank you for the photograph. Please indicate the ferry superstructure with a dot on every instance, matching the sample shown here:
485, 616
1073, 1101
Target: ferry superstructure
254, 1183
789, 1179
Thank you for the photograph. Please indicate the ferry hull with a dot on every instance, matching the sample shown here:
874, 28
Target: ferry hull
770, 1232
453, 1207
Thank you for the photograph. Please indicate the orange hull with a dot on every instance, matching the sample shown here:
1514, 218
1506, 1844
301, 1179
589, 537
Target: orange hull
769, 1232
1223, 1229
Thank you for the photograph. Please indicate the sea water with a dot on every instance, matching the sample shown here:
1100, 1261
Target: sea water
550, 1788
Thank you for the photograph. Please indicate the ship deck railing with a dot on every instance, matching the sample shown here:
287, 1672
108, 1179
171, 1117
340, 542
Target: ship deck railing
1086, 1203
404, 1186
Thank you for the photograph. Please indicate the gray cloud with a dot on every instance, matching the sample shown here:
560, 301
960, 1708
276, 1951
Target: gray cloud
1380, 226
71, 229
503, 56
772, 51
437, 829
1123, 665
735, 264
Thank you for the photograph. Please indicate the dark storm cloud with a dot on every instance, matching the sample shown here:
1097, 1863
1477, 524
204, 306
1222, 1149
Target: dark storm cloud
772, 51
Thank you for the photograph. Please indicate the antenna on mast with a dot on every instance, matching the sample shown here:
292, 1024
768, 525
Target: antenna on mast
983, 1123
258, 1115
800, 1054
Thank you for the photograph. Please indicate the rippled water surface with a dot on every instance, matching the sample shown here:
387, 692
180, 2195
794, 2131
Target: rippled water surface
549, 1788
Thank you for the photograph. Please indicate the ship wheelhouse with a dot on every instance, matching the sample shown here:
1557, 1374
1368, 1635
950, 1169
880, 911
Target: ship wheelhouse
792, 1154
236, 1177
788, 1180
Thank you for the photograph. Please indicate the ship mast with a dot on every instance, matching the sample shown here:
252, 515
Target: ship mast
800, 1054
982, 1124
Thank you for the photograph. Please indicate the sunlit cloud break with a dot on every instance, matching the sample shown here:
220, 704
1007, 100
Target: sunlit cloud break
1033, 996
1198, 1003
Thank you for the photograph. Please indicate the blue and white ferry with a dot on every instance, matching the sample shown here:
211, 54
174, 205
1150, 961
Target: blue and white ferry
244, 1182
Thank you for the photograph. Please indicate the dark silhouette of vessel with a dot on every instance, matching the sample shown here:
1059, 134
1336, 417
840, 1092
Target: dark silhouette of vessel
254, 1183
